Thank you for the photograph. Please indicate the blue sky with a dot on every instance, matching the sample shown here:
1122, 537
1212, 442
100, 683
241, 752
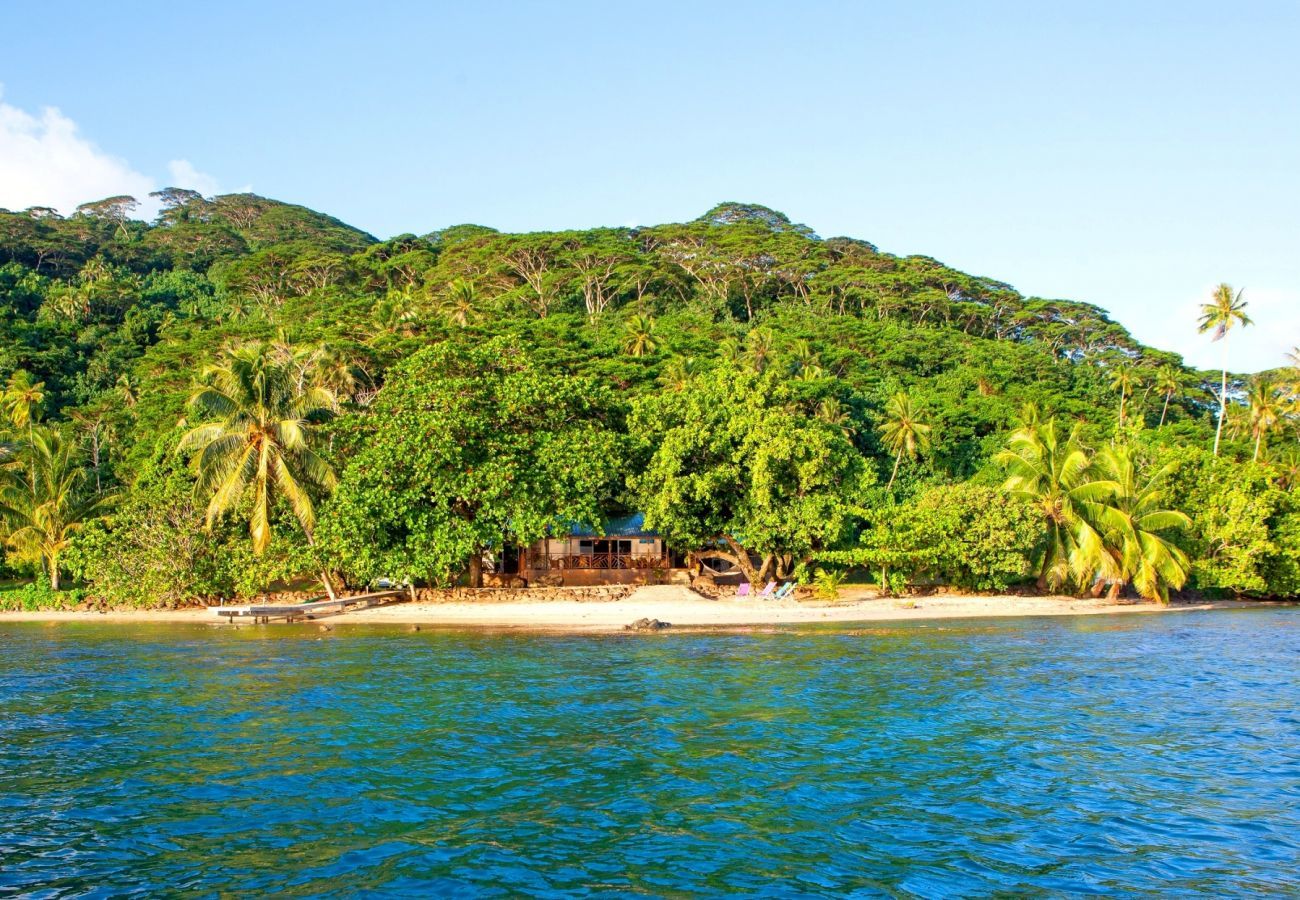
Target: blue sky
1128, 154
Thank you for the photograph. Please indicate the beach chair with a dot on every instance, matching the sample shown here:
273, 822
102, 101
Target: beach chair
766, 592
786, 590
742, 590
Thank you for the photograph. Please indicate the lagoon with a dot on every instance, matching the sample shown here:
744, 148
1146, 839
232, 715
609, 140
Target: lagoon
1061, 756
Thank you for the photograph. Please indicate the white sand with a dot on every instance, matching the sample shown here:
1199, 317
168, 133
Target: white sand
675, 605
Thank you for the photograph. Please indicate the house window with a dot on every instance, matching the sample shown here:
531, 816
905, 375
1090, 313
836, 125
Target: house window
603, 546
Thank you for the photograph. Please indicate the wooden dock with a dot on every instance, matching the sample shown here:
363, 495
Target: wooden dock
315, 609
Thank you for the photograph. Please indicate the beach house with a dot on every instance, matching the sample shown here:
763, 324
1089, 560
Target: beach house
623, 552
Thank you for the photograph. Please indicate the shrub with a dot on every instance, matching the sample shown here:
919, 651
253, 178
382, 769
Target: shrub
152, 550
965, 535
39, 595
1245, 527
827, 584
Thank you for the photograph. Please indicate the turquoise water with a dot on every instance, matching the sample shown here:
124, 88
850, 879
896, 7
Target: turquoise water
1048, 756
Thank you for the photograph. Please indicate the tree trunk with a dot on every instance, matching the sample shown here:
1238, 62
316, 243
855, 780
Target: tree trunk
329, 586
1115, 588
1164, 411
54, 572
742, 559
476, 569
1223, 397
1259, 436
897, 459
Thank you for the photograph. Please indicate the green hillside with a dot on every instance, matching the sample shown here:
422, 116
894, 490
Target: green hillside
626, 369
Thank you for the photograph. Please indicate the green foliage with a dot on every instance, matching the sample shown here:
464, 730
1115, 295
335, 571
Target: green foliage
258, 406
1243, 540
1106, 515
963, 535
462, 449
44, 509
38, 595
826, 584
737, 463
152, 549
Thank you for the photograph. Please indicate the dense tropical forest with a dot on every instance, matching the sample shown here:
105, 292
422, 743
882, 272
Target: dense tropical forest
245, 393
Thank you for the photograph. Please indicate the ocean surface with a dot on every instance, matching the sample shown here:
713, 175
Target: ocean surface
1147, 754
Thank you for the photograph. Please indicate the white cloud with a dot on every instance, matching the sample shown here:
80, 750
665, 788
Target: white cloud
45, 161
184, 175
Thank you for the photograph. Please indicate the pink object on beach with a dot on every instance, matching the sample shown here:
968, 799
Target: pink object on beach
767, 591
743, 589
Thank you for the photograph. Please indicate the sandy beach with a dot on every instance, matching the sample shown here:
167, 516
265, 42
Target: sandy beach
677, 606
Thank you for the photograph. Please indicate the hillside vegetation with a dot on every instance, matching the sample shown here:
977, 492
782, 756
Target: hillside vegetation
245, 393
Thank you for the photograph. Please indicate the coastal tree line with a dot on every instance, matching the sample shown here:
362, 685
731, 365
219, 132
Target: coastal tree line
245, 393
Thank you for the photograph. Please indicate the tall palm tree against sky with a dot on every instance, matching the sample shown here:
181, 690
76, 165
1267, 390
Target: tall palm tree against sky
1224, 310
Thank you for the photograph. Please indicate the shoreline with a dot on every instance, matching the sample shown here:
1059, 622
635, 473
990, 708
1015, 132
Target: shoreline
675, 606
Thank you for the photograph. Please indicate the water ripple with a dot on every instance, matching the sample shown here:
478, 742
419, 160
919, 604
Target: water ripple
1062, 757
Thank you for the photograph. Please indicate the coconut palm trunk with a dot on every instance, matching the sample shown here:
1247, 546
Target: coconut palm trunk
1223, 398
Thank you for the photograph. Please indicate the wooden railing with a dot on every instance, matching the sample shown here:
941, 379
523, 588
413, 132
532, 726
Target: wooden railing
608, 561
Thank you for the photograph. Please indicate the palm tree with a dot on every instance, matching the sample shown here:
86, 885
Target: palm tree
1139, 529
905, 430
52, 505
679, 372
1030, 417
1224, 310
1055, 475
639, 336
254, 442
1288, 468
396, 312
832, 412
729, 351
1123, 380
760, 348
338, 373
23, 398
1167, 382
1293, 358
802, 357
460, 303
128, 389
1265, 410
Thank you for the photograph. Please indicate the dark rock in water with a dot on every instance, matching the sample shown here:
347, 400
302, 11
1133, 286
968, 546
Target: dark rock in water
325, 628
647, 625
414, 628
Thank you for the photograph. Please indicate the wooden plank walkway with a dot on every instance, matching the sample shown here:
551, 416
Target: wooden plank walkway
262, 613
